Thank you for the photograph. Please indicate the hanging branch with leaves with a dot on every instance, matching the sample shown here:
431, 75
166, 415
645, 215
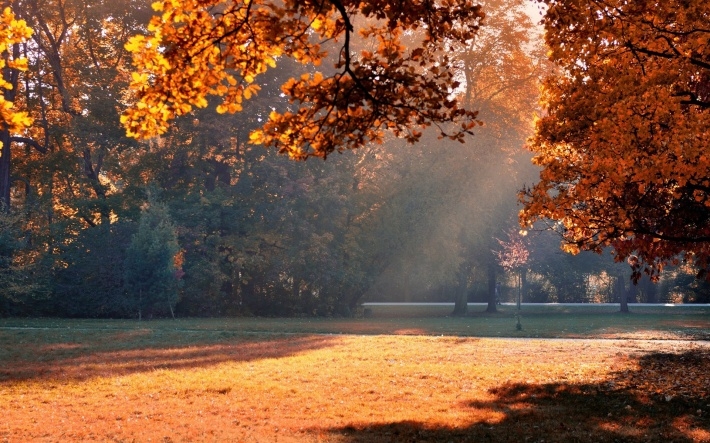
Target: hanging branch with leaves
195, 50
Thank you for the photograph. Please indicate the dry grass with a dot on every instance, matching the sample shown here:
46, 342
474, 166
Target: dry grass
155, 384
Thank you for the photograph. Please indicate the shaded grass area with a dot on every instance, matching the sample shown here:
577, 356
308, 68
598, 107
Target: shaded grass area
81, 354
354, 380
612, 410
546, 321
561, 321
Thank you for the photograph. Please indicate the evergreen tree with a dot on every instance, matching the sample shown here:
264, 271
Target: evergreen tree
88, 282
22, 276
150, 274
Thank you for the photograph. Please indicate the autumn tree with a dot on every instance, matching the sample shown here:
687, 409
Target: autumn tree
624, 144
220, 48
512, 255
74, 83
16, 271
66, 177
59, 170
13, 122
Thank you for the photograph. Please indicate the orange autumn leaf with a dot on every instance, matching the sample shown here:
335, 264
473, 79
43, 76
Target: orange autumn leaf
191, 53
623, 144
12, 32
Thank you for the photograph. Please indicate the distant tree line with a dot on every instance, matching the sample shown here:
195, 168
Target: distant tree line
199, 222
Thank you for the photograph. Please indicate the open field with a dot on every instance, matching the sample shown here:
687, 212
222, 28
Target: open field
552, 320
421, 379
539, 321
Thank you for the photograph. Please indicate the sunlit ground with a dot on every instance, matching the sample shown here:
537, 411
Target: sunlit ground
163, 381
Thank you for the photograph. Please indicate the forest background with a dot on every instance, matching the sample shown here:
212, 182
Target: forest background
198, 222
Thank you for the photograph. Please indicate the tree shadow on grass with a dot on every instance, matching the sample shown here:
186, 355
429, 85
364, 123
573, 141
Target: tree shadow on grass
77, 356
667, 399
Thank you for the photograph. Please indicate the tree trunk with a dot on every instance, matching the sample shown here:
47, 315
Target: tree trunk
5, 171
620, 290
517, 287
461, 295
460, 303
624, 302
92, 173
491, 287
11, 76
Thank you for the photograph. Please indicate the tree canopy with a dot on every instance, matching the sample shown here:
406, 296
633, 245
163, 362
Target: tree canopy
13, 119
248, 231
624, 144
194, 50
12, 32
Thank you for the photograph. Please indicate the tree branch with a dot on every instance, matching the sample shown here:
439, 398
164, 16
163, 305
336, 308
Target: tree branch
693, 61
32, 143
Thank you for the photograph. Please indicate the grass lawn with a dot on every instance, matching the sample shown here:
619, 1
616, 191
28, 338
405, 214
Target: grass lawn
610, 377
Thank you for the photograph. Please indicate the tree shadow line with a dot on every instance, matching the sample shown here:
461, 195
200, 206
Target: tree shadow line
79, 357
666, 399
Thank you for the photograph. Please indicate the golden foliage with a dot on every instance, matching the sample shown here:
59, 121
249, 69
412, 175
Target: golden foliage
12, 32
219, 48
623, 148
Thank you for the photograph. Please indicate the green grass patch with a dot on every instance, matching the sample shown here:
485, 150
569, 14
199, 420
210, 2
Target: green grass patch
544, 321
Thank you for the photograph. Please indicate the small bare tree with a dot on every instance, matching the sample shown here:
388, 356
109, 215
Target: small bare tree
513, 256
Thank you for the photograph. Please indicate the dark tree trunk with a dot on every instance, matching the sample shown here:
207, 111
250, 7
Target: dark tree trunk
461, 294
519, 294
620, 294
460, 304
92, 174
5, 171
491, 287
11, 76
624, 303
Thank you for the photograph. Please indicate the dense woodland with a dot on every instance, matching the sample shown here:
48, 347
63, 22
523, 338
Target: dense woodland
199, 222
